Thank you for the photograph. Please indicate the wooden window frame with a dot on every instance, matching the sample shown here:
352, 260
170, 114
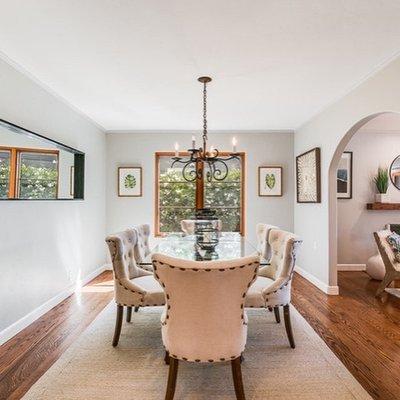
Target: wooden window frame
199, 189
15, 160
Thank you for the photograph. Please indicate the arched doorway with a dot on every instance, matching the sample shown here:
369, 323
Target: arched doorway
333, 212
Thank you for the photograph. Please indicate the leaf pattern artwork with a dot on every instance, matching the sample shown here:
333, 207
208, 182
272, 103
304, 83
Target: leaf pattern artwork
270, 180
129, 181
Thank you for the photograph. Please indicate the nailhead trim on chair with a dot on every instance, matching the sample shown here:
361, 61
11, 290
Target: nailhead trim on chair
197, 360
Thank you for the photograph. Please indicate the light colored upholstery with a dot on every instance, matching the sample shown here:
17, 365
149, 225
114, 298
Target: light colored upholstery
204, 320
392, 266
375, 267
142, 248
267, 292
264, 248
133, 286
187, 226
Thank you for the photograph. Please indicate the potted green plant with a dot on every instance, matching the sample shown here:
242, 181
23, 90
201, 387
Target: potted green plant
381, 181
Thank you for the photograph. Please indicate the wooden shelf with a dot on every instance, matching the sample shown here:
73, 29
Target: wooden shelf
383, 206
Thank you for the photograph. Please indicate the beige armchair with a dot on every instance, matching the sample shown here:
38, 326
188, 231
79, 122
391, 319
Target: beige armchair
274, 292
204, 319
187, 226
133, 286
264, 248
392, 266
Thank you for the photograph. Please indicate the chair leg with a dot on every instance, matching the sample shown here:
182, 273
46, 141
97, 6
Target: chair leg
386, 281
288, 325
237, 379
172, 374
128, 314
136, 309
277, 315
118, 325
166, 358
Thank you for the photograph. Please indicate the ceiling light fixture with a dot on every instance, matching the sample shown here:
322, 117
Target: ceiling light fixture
199, 157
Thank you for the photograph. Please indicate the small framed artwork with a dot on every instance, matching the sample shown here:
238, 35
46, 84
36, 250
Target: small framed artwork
129, 181
270, 181
308, 176
344, 176
71, 180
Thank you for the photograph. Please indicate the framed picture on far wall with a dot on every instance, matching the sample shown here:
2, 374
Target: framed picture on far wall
345, 176
270, 181
129, 181
308, 176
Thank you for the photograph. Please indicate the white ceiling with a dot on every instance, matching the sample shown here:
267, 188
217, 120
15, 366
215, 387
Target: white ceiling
132, 65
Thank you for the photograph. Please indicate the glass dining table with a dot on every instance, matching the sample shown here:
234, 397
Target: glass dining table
230, 246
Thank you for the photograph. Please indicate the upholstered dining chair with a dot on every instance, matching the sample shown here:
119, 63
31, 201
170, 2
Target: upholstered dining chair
204, 319
264, 248
275, 291
187, 226
392, 266
142, 248
133, 286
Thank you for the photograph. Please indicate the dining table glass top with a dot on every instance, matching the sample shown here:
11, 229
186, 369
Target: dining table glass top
230, 246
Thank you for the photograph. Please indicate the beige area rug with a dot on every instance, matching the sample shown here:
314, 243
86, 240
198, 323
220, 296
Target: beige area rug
92, 369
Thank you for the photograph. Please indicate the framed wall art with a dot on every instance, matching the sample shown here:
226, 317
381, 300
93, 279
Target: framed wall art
345, 176
129, 181
308, 176
270, 181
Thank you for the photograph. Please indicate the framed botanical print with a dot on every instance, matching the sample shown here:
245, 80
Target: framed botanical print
344, 176
270, 181
308, 176
129, 181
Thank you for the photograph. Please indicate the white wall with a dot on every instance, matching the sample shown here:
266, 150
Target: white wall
46, 246
314, 222
137, 149
355, 223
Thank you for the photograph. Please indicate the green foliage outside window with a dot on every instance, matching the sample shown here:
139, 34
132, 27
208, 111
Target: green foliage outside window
177, 198
4, 173
37, 182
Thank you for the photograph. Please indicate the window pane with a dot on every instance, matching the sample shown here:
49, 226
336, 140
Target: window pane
176, 196
171, 217
225, 196
38, 176
4, 173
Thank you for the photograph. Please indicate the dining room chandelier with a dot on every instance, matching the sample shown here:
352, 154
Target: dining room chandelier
193, 165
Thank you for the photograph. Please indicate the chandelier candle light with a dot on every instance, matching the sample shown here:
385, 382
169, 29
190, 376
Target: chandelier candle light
217, 166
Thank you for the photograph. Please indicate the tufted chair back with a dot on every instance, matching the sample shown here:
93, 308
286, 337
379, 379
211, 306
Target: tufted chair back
187, 226
204, 319
284, 247
122, 250
142, 249
386, 251
263, 247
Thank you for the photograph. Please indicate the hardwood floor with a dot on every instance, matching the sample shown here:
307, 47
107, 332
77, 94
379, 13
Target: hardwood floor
28, 355
361, 330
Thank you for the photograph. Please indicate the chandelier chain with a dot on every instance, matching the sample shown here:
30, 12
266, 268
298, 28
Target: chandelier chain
205, 111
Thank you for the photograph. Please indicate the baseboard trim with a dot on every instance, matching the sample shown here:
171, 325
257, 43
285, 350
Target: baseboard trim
351, 267
331, 290
28, 319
